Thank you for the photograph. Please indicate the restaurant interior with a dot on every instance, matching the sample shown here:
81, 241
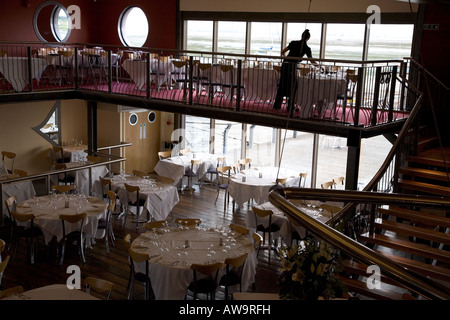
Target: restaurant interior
143, 158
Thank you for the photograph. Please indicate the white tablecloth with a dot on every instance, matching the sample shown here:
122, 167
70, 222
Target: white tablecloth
260, 84
48, 208
15, 70
169, 266
53, 292
257, 188
159, 198
137, 71
175, 167
23, 190
75, 153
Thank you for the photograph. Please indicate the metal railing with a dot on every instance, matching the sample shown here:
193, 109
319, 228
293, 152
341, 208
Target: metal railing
360, 93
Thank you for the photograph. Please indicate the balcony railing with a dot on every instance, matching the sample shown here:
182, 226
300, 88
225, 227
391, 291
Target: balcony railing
359, 93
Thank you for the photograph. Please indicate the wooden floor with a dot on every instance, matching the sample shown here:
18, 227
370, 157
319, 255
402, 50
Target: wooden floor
114, 266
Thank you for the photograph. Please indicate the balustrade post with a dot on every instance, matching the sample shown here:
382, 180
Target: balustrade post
376, 97
238, 89
191, 83
147, 76
30, 70
392, 94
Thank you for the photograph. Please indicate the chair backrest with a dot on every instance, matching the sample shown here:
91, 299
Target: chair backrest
100, 286
330, 208
244, 163
72, 218
11, 204
112, 196
22, 217
262, 213
93, 159
59, 152
185, 151
11, 291
221, 161
63, 188
164, 154
20, 173
207, 269
11, 156
338, 180
236, 261
138, 256
106, 184
154, 224
2, 245
127, 241
238, 228
140, 173
224, 172
257, 239
302, 180
188, 222
3, 265
326, 185
165, 180
281, 181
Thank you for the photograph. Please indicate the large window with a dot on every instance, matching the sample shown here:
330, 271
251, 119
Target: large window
344, 41
295, 30
199, 35
133, 27
261, 145
390, 41
61, 21
231, 37
227, 140
266, 38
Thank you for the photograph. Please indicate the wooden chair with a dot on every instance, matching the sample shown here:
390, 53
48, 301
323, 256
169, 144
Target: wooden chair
280, 181
213, 171
31, 233
151, 225
233, 275
106, 224
139, 276
192, 173
186, 222
330, 208
224, 173
11, 156
245, 163
11, 292
75, 235
20, 173
207, 284
3, 266
138, 203
338, 180
139, 173
270, 229
165, 180
179, 74
11, 205
164, 154
59, 154
93, 159
302, 180
99, 286
240, 229
106, 186
63, 188
184, 152
67, 178
2, 245
328, 184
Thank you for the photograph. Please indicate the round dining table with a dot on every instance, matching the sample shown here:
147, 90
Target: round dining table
255, 183
47, 210
172, 251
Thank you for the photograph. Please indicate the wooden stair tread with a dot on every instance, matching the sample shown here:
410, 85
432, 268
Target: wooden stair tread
424, 187
425, 173
419, 232
431, 157
422, 268
417, 216
361, 287
407, 246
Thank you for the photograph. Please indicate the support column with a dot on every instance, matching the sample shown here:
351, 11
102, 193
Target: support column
353, 155
92, 126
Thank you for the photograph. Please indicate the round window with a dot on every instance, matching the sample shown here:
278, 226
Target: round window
133, 119
52, 22
133, 27
151, 116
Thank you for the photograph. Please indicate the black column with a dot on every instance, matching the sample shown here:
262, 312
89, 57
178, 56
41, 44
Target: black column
92, 126
353, 154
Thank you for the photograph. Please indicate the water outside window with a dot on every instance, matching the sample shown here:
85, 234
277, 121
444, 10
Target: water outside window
231, 37
389, 41
344, 41
295, 30
61, 24
134, 27
199, 35
266, 38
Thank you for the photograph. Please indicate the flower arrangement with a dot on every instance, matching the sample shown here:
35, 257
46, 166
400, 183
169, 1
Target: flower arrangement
309, 271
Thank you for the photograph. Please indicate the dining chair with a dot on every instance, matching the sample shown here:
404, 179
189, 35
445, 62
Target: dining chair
204, 279
227, 82
3, 266
337, 181
233, 274
212, 171
27, 230
181, 79
66, 178
99, 287
77, 235
302, 179
11, 205
270, 228
11, 292
224, 173
93, 159
204, 81
139, 173
328, 184
8, 157
2, 246
106, 224
63, 188
106, 185
165, 180
245, 163
20, 173
164, 154
192, 173
330, 208
144, 277
188, 222
280, 181
155, 224
133, 192
239, 229
59, 155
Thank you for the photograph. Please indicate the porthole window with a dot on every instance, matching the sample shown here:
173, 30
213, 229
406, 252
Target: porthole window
52, 22
151, 116
133, 119
60, 23
133, 27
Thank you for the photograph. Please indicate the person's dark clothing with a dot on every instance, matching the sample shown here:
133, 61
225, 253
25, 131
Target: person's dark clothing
297, 48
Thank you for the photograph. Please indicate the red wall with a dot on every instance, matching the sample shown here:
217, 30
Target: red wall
435, 52
99, 19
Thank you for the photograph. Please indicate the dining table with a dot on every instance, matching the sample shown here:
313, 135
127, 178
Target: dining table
172, 251
160, 198
176, 166
160, 71
15, 70
255, 183
52, 292
48, 208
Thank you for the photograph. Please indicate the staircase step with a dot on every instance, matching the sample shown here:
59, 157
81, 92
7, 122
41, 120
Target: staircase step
417, 216
419, 232
427, 142
425, 173
361, 288
424, 187
424, 269
432, 157
418, 249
